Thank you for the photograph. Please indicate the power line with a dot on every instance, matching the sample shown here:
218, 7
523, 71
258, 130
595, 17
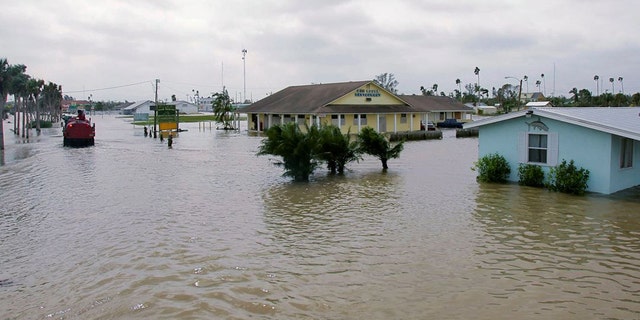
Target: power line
109, 88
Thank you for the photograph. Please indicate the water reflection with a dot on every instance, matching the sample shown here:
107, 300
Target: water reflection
322, 212
554, 252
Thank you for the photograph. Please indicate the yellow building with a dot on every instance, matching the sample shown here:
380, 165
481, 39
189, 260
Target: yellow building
347, 105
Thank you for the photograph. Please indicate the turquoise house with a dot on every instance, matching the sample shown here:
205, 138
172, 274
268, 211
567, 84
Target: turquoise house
606, 141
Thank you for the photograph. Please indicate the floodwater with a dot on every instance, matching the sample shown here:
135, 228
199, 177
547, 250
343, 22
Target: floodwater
130, 229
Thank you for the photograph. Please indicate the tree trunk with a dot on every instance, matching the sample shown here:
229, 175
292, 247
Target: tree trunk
2, 102
24, 118
16, 101
37, 117
384, 163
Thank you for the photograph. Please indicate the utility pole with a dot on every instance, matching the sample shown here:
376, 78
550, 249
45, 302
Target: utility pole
155, 111
244, 70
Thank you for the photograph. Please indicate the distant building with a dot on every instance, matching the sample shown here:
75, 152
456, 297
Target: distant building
532, 96
538, 104
146, 106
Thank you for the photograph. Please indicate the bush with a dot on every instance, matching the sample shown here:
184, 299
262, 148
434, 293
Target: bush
567, 178
530, 175
492, 168
43, 124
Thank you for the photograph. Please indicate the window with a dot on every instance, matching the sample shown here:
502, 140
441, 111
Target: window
337, 120
301, 119
537, 148
403, 118
362, 118
626, 153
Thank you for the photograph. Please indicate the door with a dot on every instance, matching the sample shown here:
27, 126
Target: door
382, 123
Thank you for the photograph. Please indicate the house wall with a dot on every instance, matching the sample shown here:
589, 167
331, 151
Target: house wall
627, 177
590, 149
348, 125
368, 94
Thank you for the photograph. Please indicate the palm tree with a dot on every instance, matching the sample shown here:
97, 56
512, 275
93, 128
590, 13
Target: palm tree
4, 91
223, 109
574, 91
18, 88
621, 84
526, 79
544, 85
476, 71
336, 149
458, 82
375, 144
51, 100
613, 91
34, 88
596, 78
297, 149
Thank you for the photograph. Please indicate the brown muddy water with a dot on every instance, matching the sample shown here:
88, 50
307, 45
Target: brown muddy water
130, 229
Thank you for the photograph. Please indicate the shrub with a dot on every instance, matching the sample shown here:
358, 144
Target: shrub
43, 124
492, 168
530, 175
567, 178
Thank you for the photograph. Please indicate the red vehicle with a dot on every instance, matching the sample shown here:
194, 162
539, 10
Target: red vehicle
78, 131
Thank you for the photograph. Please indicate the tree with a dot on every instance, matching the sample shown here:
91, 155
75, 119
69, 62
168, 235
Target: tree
336, 149
574, 92
635, 99
297, 149
52, 99
373, 143
4, 91
223, 109
426, 92
584, 98
387, 81
34, 88
476, 71
613, 91
596, 78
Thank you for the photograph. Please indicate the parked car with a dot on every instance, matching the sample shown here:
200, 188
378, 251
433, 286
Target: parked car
430, 126
450, 123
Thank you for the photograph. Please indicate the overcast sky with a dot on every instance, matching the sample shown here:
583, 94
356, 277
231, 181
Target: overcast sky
114, 50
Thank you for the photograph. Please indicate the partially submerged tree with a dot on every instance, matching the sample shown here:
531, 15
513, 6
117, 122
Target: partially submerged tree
223, 109
375, 144
336, 149
297, 149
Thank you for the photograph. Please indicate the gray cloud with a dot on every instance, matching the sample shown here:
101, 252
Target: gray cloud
196, 45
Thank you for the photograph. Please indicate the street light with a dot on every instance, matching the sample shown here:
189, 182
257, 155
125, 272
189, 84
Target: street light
244, 71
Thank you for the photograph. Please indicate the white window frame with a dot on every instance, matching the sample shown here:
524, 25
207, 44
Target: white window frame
337, 120
626, 153
552, 148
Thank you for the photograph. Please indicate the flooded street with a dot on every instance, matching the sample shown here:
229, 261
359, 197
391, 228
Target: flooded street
130, 229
